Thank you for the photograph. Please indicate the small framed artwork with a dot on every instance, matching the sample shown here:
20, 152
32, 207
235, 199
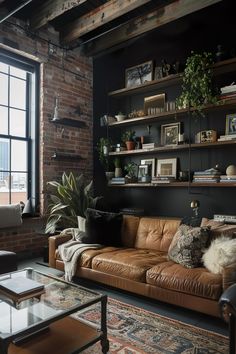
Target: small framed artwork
170, 133
139, 74
151, 165
154, 104
230, 128
167, 167
142, 172
158, 73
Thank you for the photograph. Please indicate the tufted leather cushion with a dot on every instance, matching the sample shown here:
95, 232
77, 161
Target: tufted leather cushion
128, 263
195, 281
129, 230
154, 233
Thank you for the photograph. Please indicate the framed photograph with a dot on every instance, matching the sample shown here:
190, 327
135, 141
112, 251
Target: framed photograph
230, 128
142, 171
167, 167
151, 165
139, 74
154, 104
158, 73
170, 133
206, 136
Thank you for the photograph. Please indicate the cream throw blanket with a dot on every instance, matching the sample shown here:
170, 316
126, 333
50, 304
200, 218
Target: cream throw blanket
71, 250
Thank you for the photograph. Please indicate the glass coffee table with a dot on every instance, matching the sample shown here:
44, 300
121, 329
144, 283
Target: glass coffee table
42, 325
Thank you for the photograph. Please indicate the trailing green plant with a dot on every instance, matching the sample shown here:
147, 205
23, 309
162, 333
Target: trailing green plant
131, 169
197, 88
103, 147
69, 199
128, 135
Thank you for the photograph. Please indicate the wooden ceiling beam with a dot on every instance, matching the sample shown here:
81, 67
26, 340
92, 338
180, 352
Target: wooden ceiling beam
49, 10
98, 17
143, 24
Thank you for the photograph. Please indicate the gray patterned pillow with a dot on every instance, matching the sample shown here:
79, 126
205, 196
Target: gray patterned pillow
187, 245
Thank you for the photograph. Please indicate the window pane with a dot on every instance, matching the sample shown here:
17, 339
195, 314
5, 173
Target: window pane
17, 93
4, 68
17, 72
17, 123
18, 156
3, 89
3, 120
18, 187
4, 188
4, 155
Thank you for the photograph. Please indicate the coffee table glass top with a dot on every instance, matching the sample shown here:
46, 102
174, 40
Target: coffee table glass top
60, 299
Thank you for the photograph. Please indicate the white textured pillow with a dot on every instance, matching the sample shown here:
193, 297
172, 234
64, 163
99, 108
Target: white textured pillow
221, 253
81, 223
10, 215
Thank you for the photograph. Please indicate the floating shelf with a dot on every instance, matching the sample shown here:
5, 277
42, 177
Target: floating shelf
173, 147
174, 184
64, 156
69, 122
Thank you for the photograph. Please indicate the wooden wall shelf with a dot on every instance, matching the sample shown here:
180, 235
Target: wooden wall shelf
174, 147
69, 122
64, 156
175, 185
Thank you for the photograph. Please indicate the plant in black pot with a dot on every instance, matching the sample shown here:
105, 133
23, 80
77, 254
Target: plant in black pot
197, 87
131, 175
128, 139
118, 169
103, 148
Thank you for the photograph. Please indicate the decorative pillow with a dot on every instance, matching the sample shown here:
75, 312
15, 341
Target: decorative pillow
10, 215
103, 227
221, 253
187, 245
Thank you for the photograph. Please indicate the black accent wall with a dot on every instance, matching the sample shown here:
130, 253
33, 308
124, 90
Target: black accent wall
201, 31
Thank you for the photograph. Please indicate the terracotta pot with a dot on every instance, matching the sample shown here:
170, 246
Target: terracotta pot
130, 145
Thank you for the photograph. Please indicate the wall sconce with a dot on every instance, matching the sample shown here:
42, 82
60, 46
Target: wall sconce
195, 204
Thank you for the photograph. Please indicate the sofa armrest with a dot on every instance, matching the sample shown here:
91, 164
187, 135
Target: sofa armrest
53, 243
229, 276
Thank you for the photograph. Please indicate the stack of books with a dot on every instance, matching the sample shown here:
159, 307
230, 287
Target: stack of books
228, 92
228, 179
149, 145
117, 180
227, 137
162, 179
207, 176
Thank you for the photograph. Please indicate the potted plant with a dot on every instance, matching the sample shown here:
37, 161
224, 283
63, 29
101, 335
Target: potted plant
103, 147
197, 88
69, 199
128, 139
131, 169
118, 169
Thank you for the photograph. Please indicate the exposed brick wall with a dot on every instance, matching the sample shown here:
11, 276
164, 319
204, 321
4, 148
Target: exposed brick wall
25, 240
74, 87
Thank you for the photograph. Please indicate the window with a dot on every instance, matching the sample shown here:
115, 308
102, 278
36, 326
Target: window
18, 129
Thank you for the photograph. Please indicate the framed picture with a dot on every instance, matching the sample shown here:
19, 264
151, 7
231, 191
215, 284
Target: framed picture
142, 171
154, 104
158, 73
230, 128
139, 74
151, 165
167, 167
206, 136
170, 133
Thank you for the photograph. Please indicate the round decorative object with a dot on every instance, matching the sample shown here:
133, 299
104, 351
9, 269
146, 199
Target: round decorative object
231, 170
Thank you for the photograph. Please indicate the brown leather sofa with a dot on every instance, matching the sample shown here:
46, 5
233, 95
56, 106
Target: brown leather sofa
141, 266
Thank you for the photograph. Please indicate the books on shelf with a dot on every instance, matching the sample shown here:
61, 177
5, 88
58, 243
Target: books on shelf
149, 145
162, 179
228, 89
208, 176
226, 178
206, 180
210, 172
117, 180
19, 288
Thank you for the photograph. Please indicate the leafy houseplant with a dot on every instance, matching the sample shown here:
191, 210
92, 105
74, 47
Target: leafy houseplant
128, 139
131, 169
70, 199
103, 147
197, 89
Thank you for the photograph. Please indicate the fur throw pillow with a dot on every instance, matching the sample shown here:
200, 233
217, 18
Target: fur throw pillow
221, 253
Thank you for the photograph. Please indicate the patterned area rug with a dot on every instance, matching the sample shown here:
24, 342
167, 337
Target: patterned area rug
132, 330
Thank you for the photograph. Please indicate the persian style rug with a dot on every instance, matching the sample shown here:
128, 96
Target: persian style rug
132, 330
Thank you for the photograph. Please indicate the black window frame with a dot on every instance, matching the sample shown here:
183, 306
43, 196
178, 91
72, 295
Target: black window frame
32, 69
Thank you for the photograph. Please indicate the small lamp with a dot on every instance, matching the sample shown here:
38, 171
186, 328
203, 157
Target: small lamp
195, 206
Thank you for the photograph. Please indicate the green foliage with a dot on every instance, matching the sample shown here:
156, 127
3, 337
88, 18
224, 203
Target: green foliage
117, 162
103, 146
197, 89
128, 136
131, 169
70, 199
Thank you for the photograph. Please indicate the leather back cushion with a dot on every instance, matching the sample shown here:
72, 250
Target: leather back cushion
129, 230
156, 233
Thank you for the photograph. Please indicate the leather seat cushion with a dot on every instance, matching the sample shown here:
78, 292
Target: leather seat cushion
128, 263
195, 281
